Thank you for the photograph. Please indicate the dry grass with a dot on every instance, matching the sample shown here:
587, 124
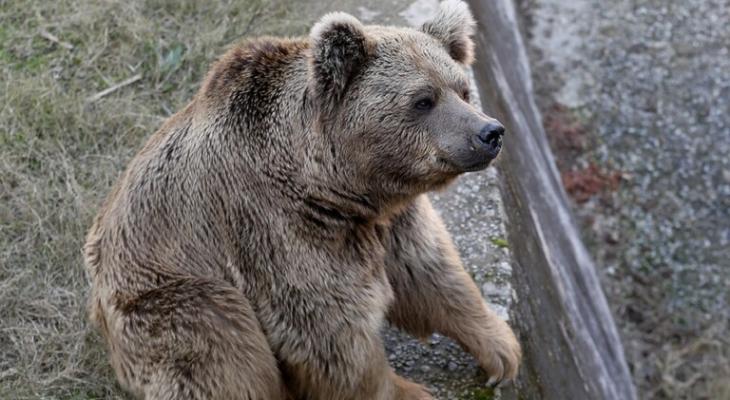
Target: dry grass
59, 154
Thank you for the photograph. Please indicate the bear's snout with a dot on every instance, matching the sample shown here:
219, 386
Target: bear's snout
489, 138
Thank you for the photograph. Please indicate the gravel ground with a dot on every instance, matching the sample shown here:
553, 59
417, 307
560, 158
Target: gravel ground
635, 96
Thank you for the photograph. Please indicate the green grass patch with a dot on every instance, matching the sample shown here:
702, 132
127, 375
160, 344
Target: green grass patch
499, 242
479, 394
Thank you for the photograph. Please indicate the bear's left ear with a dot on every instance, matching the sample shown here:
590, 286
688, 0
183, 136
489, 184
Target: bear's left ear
453, 25
340, 48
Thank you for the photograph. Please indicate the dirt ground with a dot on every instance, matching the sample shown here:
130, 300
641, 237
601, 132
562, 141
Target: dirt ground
635, 97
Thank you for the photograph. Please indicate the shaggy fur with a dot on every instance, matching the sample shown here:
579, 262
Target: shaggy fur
453, 26
255, 246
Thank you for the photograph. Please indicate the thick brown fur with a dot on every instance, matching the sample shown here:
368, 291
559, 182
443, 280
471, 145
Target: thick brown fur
256, 245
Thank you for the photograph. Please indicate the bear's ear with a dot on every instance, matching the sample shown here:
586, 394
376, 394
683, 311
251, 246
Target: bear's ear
340, 48
453, 25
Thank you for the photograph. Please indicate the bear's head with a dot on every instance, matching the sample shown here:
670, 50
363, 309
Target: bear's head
394, 102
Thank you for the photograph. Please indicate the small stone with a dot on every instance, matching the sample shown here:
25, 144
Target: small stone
494, 290
505, 267
726, 175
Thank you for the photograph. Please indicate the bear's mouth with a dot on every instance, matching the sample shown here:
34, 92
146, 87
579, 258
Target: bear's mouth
478, 166
457, 168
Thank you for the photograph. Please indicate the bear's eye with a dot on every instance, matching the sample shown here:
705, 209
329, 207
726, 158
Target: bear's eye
425, 104
465, 95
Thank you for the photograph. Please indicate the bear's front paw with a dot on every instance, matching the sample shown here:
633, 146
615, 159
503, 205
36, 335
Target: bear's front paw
501, 358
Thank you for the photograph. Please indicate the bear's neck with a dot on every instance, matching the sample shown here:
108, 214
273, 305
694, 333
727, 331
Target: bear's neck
336, 188
331, 205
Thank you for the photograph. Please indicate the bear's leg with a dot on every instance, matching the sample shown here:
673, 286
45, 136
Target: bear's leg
191, 338
433, 292
337, 357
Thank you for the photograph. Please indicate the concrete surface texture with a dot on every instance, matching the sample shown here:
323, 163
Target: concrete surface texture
636, 94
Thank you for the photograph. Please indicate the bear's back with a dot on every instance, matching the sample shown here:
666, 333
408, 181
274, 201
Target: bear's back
217, 171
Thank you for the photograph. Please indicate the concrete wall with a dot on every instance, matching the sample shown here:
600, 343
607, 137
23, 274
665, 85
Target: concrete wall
572, 348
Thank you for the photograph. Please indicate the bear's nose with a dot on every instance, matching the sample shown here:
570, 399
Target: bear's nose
490, 137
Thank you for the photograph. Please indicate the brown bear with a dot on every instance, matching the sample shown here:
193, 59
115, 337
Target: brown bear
256, 245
